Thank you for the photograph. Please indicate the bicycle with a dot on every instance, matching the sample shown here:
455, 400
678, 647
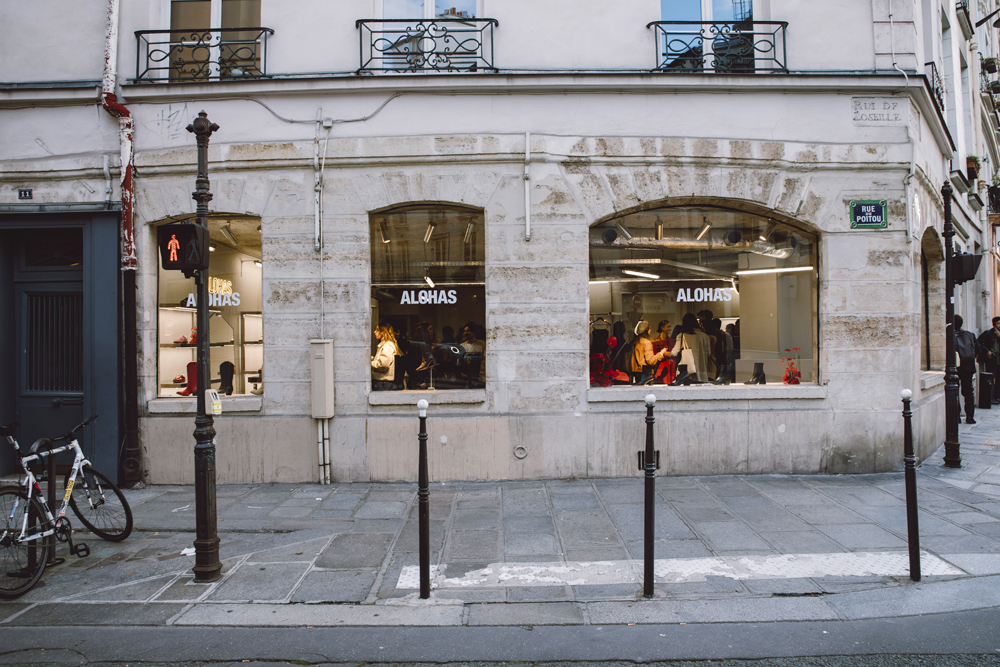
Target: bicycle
26, 522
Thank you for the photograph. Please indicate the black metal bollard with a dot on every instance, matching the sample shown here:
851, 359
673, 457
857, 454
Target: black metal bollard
910, 476
650, 501
423, 497
51, 492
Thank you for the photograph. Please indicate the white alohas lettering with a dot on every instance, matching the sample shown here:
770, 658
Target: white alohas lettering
680, 295
699, 294
405, 298
442, 296
452, 296
236, 298
190, 303
227, 300
422, 297
727, 294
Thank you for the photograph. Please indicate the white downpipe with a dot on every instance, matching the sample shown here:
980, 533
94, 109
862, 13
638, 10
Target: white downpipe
892, 48
323, 447
527, 186
317, 181
326, 450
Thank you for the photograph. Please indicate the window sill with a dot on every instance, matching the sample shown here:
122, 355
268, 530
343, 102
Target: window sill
182, 405
433, 397
707, 393
931, 379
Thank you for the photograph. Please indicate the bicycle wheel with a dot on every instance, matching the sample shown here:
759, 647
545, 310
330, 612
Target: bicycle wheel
100, 505
21, 563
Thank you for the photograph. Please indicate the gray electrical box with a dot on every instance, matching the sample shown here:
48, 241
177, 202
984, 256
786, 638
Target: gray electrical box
321, 363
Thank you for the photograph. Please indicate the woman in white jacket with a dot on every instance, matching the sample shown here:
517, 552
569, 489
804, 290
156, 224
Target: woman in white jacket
384, 361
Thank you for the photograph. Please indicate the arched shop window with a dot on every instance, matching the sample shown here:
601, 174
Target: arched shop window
732, 271
236, 352
429, 285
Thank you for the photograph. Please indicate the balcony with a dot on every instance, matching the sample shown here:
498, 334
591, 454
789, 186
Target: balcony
426, 45
964, 18
201, 55
734, 47
936, 84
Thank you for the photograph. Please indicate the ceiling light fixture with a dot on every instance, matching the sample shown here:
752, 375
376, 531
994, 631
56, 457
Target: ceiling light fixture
704, 229
257, 262
429, 232
468, 231
754, 272
623, 231
228, 233
211, 247
659, 228
430, 283
640, 274
382, 232
768, 231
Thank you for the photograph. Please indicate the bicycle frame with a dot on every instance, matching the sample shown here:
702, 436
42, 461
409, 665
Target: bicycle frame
32, 487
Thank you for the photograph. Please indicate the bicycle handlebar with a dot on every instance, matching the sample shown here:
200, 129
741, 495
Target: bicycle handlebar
69, 434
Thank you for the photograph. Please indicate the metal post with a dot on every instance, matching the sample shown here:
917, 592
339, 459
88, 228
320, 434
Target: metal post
51, 492
423, 496
650, 500
206, 544
952, 456
910, 476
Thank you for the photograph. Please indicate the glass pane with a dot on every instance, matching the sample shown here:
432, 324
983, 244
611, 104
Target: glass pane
190, 14
732, 10
240, 13
403, 9
428, 289
234, 285
680, 10
455, 9
719, 272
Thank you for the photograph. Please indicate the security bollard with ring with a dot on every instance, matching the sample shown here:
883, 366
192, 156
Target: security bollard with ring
910, 478
650, 470
423, 496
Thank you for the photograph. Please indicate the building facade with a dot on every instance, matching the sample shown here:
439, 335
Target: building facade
507, 195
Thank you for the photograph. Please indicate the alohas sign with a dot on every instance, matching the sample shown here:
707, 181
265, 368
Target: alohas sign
703, 294
429, 296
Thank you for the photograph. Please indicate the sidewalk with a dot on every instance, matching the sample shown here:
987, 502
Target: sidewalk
728, 549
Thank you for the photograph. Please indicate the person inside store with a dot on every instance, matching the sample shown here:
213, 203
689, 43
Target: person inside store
384, 361
989, 346
691, 348
474, 348
967, 349
644, 359
666, 370
728, 352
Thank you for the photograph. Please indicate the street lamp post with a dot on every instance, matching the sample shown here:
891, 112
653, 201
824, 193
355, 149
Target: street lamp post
952, 457
206, 544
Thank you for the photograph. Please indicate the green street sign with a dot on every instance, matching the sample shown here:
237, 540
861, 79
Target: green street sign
869, 214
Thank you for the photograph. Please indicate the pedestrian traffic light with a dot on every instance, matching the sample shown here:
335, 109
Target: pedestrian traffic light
965, 266
183, 247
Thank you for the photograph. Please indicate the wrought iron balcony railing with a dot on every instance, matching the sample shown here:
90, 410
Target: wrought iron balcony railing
937, 84
993, 199
426, 45
734, 46
201, 55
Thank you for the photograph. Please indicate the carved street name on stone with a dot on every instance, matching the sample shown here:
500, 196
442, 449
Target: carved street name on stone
880, 111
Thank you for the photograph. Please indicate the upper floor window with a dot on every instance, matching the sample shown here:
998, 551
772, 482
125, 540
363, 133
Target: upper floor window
706, 10
429, 9
207, 39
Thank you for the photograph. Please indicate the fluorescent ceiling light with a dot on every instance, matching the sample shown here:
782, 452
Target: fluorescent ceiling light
227, 232
429, 232
623, 231
752, 272
640, 274
659, 228
704, 230
468, 231
599, 282
430, 283
382, 232
257, 262
768, 231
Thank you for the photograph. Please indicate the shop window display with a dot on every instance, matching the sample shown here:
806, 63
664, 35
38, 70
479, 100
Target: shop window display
428, 299
236, 345
702, 296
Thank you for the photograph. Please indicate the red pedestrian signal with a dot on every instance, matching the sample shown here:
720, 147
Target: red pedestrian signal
183, 247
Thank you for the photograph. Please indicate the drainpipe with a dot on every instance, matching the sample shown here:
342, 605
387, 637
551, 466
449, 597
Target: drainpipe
527, 186
131, 455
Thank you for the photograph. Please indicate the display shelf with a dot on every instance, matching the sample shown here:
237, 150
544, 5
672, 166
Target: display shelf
195, 345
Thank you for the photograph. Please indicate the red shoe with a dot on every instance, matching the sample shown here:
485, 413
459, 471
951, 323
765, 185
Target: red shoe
180, 379
192, 369
182, 341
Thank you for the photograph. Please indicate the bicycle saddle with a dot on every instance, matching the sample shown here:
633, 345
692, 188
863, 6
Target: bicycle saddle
41, 443
8, 430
